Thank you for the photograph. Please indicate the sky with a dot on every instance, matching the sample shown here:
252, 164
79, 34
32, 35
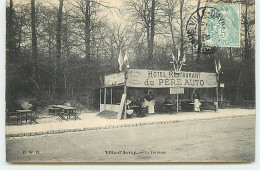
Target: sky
112, 15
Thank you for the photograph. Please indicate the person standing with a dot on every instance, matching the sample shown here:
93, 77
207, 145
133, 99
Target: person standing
150, 102
197, 103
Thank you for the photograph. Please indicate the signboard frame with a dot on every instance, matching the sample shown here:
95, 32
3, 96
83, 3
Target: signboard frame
176, 90
116, 79
141, 78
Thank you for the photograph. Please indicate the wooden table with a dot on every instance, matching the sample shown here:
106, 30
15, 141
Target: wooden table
27, 113
64, 112
138, 110
170, 107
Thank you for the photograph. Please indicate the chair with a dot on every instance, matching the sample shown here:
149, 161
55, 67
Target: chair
77, 113
12, 118
60, 114
34, 116
38, 111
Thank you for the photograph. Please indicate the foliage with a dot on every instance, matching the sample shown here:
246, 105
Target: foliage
90, 44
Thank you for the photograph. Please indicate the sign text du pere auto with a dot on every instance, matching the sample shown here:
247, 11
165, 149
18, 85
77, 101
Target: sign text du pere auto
174, 79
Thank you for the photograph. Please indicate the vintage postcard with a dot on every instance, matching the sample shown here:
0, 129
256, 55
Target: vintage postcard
130, 81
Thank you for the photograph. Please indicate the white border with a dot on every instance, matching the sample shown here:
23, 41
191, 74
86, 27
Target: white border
6, 166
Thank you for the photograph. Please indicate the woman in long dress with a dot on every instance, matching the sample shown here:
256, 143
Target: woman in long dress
197, 103
150, 102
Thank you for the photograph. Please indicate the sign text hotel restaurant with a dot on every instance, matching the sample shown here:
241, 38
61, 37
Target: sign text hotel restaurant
162, 79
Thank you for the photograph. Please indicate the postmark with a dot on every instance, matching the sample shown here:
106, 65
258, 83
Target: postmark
217, 23
196, 22
223, 25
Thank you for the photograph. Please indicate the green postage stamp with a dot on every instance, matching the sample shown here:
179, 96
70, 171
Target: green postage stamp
223, 25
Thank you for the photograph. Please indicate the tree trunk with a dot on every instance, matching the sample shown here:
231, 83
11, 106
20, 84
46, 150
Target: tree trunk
238, 82
58, 71
58, 34
66, 38
172, 34
199, 32
182, 39
87, 30
150, 51
72, 91
10, 36
246, 50
34, 48
148, 38
34, 38
230, 53
19, 39
245, 53
65, 83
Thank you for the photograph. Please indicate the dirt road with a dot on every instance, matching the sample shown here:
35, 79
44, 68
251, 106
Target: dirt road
227, 140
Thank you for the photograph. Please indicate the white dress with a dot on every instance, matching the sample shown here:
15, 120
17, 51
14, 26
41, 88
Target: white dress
151, 107
197, 105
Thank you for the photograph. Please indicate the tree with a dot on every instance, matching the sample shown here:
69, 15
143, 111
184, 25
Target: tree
176, 14
169, 12
151, 41
35, 76
247, 55
88, 14
62, 50
34, 38
58, 33
182, 29
144, 13
199, 18
10, 33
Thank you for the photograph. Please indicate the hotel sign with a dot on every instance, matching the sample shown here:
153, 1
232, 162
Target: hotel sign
167, 79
